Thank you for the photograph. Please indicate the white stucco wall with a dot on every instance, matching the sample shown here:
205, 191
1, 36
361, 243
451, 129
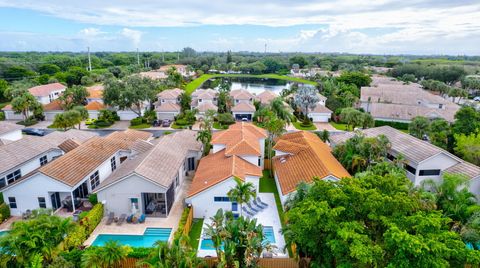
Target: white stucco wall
27, 192
126, 115
253, 159
320, 117
11, 115
12, 135
50, 115
166, 115
93, 114
440, 161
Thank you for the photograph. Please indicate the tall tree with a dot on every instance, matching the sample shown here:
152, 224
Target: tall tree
185, 100
468, 147
24, 103
419, 127
83, 114
467, 120
73, 96
178, 254
67, 119
306, 98
357, 78
281, 110
275, 127
243, 192
110, 255
439, 131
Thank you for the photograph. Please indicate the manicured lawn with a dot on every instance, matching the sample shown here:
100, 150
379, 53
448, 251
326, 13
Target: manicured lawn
141, 126
339, 126
195, 232
190, 87
298, 125
175, 126
217, 125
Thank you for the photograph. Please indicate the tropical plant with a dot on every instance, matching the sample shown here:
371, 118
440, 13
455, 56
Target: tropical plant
306, 98
419, 127
67, 119
468, 147
23, 104
178, 254
205, 136
73, 96
243, 192
109, 255
185, 100
275, 127
83, 113
281, 110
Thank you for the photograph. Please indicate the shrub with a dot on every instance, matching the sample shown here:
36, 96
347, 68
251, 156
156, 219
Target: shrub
181, 224
164, 133
73, 256
109, 116
82, 215
103, 123
397, 125
4, 212
28, 122
225, 119
2, 116
93, 218
1, 198
138, 121
76, 237
93, 199
182, 122
140, 252
150, 116
86, 225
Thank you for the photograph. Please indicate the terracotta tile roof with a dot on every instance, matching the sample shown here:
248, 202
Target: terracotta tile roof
243, 107
216, 168
241, 94
158, 163
95, 106
266, 96
170, 93
205, 106
45, 90
154, 75
69, 145
408, 112
168, 66
168, 107
75, 165
98, 87
53, 106
6, 127
207, 94
7, 107
95, 94
307, 157
240, 138
321, 109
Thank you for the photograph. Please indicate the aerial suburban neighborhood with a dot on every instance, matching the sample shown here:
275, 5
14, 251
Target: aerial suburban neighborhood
239, 134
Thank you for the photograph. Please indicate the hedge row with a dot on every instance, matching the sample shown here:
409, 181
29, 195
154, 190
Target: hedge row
85, 227
4, 212
397, 125
181, 224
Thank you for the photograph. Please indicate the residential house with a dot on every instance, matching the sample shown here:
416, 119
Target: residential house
95, 93
168, 104
155, 75
47, 93
300, 157
204, 100
150, 180
10, 114
243, 108
237, 153
182, 69
390, 100
51, 109
266, 97
69, 179
23, 156
9, 132
94, 108
320, 113
423, 160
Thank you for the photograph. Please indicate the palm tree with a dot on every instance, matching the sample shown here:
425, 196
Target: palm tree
205, 137
281, 110
107, 256
177, 255
243, 192
275, 128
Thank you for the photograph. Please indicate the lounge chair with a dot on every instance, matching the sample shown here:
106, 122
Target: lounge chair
121, 219
141, 219
261, 202
248, 213
111, 215
259, 205
129, 219
252, 208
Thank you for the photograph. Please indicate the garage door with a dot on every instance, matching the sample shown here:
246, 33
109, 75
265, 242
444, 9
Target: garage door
320, 118
240, 117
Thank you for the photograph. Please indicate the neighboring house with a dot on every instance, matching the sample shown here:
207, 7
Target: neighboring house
10, 114
204, 100
47, 93
237, 153
168, 104
243, 108
320, 114
423, 160
72, 176
150, 179
300, 157
390, 100
21, 157
95, 93
155, 75
51, 109
94, 108
182, 69
266, 97
9, 132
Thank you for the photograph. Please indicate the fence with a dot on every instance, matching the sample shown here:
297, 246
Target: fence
188, 223
267, 164
211, 262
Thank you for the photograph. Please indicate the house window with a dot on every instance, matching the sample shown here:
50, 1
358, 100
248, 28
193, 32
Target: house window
199, 100
191, 163
234, 206
259, 161
2, 182
14, 176
177, 180
43, 160
440, 106
42, 203
429, 172
391, 157
113, 163
94, 180
221, 199
411, 169
12, 202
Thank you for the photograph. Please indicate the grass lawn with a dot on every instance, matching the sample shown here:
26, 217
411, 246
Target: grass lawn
217, 125
339, 126
190, 87
175, 126
141, 126
298, 125
195, 232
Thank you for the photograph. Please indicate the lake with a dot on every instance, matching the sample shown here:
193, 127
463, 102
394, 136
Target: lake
253, 85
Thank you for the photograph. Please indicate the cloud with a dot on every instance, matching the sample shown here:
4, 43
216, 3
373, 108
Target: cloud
91, 32
134, 35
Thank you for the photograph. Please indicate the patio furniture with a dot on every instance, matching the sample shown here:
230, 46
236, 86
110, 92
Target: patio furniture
141, 219
261, 202
259, 205
121, 219
111, 215
129, 219
26, 214
252, 208
246, 211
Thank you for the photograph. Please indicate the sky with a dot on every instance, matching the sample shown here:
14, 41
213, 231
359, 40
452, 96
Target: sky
421, 27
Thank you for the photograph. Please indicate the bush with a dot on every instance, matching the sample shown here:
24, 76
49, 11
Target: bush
86, 225
396, 125
225, 119
82, 215
140, 252
93, 199
4, 212
73, 256
28, 122
1, 198
108, 116
138, 121
182, 122
76, 237
93, 218
181, 224
150, 116
2, 116
103, 123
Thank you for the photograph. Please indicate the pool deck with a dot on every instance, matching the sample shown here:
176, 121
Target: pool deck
150, 222
267, 217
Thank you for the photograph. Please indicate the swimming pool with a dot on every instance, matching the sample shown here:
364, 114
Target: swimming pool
207, 244
148, 239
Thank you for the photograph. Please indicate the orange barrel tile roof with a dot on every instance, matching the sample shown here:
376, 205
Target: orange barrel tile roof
240, 138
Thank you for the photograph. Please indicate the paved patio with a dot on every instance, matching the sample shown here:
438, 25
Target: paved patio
266, 217
6, 225
150, 222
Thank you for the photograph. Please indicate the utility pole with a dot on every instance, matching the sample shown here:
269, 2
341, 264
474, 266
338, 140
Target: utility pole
178, 56
138, 57
163, 56
89, 60
265, 48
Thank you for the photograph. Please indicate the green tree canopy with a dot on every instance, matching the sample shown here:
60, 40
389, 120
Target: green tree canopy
468, 147
357, 78
419, 127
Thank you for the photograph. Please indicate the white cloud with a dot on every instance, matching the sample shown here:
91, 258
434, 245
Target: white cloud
91, 32
134, 35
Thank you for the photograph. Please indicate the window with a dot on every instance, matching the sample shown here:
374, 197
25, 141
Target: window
113, 163
429, 172
391, 157
94, 180
2, 182
43, 160
199, 100
440, 106
411, 169
177, 180
234, 206
14, 176
259, 161
221, 199
12, 202
191, 163
42, 203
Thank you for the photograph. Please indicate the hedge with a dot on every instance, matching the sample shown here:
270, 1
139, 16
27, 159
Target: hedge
181, 224
397, 125
4, 212
138, 121
139, 252
82, 231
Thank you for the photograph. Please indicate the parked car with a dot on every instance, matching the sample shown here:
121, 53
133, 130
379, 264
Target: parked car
90, 121
33, 131
477, 98
166, 122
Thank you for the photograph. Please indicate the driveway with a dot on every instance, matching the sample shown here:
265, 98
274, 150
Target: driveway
324, 126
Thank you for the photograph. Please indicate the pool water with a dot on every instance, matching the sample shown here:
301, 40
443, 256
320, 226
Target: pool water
148, 239
207, 244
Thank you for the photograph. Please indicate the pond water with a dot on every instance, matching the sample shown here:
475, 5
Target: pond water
253, 85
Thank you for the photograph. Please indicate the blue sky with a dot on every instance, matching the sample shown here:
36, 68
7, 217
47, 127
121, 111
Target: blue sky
377, 27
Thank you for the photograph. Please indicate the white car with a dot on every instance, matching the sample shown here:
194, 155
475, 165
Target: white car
477, 98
